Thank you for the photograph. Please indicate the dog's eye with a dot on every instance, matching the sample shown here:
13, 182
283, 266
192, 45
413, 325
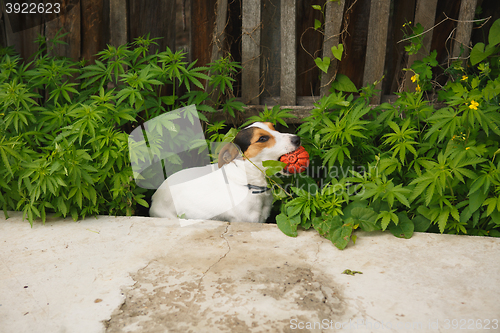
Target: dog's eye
263, 138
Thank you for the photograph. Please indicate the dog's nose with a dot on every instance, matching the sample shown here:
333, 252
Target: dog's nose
295, 140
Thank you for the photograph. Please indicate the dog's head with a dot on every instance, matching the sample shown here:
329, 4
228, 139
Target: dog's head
259, 142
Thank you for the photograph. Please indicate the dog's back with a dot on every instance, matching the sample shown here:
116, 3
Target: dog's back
199, 193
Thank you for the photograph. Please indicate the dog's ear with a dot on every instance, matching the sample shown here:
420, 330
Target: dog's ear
228, 153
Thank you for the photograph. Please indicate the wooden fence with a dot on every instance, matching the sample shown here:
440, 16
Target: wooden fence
378, 22
273, 39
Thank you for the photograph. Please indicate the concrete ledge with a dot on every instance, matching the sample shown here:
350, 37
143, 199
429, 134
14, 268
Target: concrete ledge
133, 274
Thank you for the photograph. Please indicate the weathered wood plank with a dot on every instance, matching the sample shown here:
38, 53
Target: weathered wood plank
92, 28
218, 41
288, 81
250, 44
425, 15
253, 110
118, 30
70, 23
376, 44
21, 34
333, 23
3, 30
301, 111
158, 20
464, 28
218, 38
202, 28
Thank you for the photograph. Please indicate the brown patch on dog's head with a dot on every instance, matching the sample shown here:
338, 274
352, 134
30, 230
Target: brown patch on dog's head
258, 140
270, 125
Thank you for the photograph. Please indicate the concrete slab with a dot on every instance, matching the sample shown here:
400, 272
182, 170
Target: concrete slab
133, 274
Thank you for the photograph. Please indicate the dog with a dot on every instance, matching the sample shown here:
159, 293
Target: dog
235, 189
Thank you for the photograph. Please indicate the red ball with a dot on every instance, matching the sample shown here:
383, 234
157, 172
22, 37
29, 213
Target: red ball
297, 161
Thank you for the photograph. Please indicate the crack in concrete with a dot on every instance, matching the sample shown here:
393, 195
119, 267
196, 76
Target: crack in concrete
145, 267
317, 252
222, 257
211, 266
130, 229
361, 310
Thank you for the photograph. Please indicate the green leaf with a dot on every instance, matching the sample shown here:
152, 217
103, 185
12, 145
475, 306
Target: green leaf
317, 7
399, 193
404, 228
366, 218
421, 224
343, 83
317, 24
6, 161
351, 206
466, 214
337, 51
479, 52
273, 167
492, 204
323, 64
340, 232
74, 214
387, 217
494, 233
322, 224
494, 35
288, 225
294, 210
476, 199
142, 202
474, 83
475, 218
443, 218
431, 59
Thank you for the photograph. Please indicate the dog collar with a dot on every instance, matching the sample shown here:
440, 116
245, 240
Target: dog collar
259, 189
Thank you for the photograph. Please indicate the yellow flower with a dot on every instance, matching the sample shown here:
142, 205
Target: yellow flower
467, 148
418, 89
473, 105
465, 77
414, 78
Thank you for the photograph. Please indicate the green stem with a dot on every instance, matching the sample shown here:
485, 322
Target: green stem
449, 185
269, 178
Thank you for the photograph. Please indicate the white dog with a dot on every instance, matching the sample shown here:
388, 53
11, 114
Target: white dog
235, 190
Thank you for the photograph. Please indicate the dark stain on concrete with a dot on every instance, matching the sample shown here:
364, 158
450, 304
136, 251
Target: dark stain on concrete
220, 284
